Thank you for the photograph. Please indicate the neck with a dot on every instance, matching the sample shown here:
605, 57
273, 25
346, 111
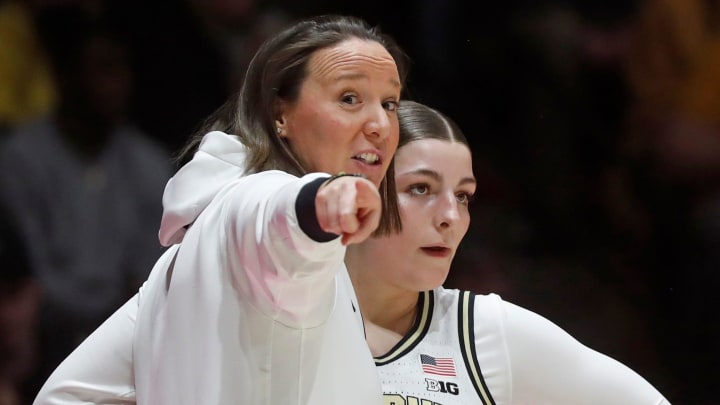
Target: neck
394, 312
388, 312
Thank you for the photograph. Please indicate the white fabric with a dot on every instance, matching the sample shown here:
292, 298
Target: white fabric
253, 312
219, 159
523, 357
100, 370
257, 313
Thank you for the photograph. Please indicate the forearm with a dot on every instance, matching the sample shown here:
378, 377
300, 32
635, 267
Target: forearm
279, 263
100, 370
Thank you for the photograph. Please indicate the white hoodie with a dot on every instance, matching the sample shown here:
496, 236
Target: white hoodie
252, 311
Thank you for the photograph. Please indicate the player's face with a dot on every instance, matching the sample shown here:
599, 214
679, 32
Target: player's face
434, 181
345, 118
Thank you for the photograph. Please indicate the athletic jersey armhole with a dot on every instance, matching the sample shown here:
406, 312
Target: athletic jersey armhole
466, 331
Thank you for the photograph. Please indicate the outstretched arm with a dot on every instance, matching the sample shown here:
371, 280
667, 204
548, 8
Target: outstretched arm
550, 366
100, 370
283, 242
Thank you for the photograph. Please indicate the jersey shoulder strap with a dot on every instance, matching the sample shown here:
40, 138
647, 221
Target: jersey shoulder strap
466, 331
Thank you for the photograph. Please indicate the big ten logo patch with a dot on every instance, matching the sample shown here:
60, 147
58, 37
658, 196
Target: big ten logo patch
442, 386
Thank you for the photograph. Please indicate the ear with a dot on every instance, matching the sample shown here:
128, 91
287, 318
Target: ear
280, 129
281, 113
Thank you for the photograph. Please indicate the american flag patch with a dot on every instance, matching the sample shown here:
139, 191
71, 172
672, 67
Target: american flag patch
438, 365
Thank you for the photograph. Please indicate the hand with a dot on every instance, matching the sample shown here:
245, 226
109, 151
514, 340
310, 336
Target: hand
349, 206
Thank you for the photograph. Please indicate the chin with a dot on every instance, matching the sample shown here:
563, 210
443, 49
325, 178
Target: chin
441, 278
433, 282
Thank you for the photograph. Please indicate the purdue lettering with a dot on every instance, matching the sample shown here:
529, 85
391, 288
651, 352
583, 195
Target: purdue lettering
397, 399
394, 399
442, 386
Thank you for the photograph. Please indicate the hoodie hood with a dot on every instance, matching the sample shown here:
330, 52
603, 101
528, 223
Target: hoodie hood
219, 160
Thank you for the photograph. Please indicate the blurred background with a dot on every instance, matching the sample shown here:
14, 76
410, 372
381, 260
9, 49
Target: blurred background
595, 127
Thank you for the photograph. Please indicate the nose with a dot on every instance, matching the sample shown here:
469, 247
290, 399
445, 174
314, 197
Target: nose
448, 211
378, 125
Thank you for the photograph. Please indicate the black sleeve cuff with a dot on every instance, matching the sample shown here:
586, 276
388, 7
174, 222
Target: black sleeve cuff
306, 214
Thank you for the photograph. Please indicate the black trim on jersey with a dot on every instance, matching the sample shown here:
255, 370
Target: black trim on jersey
362, 318
466, 331
306, 214
425, 306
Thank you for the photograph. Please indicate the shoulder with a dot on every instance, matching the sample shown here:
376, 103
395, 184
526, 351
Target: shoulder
479, 303
484, 309
477, 315
482, 314
482, 342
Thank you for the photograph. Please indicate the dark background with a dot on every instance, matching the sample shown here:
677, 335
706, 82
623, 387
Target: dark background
598, 202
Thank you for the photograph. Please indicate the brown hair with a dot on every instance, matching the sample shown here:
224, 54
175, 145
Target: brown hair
418, 121
277, 71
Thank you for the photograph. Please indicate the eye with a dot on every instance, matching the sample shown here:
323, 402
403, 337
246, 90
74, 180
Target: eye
349, 99
464, 198
419, 189
390, 105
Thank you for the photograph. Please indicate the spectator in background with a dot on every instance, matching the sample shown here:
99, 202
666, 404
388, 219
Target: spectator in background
84, 184
19, 303
26, 87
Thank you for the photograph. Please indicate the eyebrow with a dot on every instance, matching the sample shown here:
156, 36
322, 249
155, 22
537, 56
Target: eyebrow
437, 177
356, 76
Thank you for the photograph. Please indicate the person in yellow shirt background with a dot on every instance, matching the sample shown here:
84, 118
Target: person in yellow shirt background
26, 85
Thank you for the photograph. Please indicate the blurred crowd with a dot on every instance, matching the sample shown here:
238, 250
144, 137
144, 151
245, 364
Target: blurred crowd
595, 127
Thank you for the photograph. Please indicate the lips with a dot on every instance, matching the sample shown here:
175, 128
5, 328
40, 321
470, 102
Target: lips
436, 251
369, 158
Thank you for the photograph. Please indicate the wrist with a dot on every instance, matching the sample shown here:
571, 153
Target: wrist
343, 174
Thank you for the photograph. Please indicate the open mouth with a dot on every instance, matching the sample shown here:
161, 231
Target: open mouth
368, 158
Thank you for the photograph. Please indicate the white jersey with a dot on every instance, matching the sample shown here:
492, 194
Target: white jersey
478, 349
245, 308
